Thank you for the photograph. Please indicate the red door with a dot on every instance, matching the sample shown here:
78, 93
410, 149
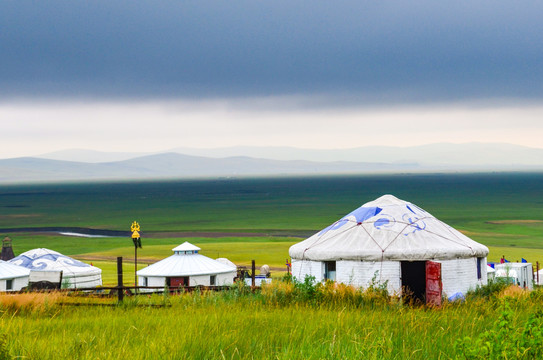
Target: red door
176, 282
433, 283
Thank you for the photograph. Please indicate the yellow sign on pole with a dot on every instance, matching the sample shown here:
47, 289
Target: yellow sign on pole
135, 227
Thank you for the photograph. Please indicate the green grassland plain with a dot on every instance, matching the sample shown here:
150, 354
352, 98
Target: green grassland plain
245, 219
501, 210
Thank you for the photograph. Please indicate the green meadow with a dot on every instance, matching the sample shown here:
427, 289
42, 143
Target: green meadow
281, 321
245, 219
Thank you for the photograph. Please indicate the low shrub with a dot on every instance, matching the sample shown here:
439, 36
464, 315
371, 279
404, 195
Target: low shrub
504, 340
327, 294
492, 289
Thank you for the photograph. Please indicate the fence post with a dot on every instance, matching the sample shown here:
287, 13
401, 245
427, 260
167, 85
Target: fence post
120, 287
253, 274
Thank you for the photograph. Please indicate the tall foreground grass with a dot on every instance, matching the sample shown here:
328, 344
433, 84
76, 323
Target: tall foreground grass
283, 321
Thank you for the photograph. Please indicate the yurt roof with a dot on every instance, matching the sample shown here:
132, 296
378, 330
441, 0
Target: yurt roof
49, 260
387, 229
225, 261
11, 271
186, 265
186, 246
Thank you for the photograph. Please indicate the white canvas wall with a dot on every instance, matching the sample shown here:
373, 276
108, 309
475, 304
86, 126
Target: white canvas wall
199, 280
202, 280
18, 284
220, 279
82, 281
152, 280
361, 273
356, 273
301, 268
459, 275
225, 279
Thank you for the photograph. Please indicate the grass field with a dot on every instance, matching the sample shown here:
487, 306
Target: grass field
332, 323
502, 211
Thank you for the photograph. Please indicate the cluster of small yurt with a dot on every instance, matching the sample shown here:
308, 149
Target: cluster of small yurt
391, 241
75, 274
186, 267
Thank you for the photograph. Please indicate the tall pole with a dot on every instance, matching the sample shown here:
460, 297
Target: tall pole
136, 269
136, 239
253, 269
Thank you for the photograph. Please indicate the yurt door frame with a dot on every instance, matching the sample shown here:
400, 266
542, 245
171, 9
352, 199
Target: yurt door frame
421, 280
175, 282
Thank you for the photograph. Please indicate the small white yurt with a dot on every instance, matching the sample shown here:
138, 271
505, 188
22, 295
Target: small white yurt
520, 274
186, 267
12, 277
75, 274
392, 241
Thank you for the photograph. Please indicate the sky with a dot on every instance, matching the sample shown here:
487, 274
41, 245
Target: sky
155, 75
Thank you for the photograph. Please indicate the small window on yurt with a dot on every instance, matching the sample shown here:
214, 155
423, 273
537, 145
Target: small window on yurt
212, 280
330, 270
479, 264
9, 284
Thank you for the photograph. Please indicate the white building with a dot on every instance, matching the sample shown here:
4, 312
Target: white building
186, 267
12, 277
391, 240
520, 274
75, 274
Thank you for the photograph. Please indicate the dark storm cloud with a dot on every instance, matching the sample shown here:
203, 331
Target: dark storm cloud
379, 50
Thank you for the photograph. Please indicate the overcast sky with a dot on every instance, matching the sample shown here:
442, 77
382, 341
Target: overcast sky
153, 75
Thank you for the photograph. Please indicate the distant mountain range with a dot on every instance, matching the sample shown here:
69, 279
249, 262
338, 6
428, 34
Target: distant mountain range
77, 165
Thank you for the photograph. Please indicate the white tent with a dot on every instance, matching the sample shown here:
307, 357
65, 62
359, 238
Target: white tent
389, 240
490, 272
12, 277
75, 274
187, 268
520, 274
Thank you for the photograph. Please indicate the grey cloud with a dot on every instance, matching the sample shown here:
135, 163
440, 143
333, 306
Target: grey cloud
379, 51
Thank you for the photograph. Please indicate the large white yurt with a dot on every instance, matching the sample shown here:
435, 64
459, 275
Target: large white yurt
186, 267
12, 277
391, 241
75, 274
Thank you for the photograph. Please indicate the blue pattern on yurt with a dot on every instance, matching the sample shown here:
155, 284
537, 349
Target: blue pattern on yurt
411, 217
381, 223
41, 262
361, 214
415, 222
